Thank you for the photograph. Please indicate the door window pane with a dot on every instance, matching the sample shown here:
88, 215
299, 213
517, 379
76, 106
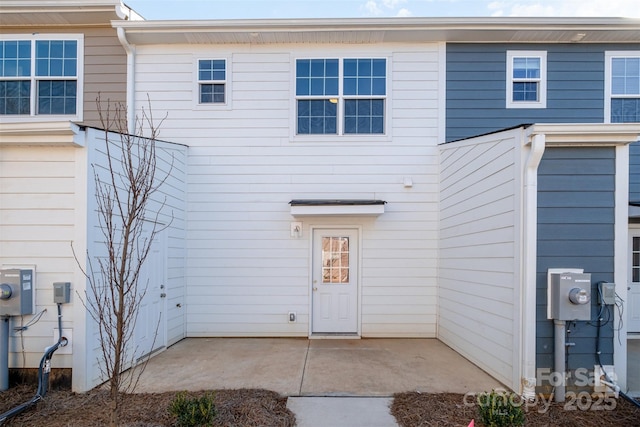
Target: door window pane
635, 260
335, 260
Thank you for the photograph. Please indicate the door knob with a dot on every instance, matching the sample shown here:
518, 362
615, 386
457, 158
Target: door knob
162, 295
315, 289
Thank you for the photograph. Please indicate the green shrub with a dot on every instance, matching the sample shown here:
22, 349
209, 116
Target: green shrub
193, 411
501, 409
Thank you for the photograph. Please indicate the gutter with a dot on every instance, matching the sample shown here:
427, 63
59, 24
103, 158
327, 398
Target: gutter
131, 79
530, 220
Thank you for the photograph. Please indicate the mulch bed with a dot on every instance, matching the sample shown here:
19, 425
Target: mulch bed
449, 409
243, 407
256, 407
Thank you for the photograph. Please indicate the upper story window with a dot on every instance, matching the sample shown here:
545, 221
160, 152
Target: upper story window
623, 87
341, 97
40, 76
526, 79
212, 79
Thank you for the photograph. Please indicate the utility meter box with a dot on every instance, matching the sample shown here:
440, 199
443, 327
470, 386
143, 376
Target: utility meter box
569, 296
16, 292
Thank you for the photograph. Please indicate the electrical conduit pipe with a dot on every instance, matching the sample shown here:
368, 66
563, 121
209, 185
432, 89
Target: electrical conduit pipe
43, 375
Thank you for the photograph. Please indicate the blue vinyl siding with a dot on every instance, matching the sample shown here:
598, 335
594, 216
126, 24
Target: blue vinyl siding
575, 230
476, 87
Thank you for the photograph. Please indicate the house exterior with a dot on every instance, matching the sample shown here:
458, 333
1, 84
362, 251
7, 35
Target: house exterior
582, 188
320, 186
50, 143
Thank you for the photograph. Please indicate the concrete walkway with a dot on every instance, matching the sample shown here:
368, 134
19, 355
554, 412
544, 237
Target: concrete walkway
329, 382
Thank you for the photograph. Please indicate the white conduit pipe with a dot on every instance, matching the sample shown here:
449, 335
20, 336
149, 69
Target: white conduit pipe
131, 80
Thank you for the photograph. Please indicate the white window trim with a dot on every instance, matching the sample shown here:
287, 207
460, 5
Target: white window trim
608, 59
340, 136
226, 105
33, 117
542, 96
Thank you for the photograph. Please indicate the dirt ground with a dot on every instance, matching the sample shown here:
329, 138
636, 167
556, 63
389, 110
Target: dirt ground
249, 407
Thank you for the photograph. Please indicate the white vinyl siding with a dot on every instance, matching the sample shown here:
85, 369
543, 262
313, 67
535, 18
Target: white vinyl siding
479, 279
38, 220
170, 163
245, 272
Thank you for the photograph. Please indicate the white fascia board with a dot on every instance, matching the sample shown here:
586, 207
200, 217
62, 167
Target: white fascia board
337, 210
61, 133
473, 30
586, 134
48, 4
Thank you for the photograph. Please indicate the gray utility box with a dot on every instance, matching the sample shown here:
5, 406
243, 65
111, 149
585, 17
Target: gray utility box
16, 292
569, 296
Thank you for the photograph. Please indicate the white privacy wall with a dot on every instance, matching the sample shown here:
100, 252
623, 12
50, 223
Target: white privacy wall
479, 274
244, 270
170, 167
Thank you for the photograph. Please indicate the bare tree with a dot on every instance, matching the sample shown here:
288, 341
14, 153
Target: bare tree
125, 190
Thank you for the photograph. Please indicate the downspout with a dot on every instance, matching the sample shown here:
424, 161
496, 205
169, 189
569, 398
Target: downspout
530, 224
131, 80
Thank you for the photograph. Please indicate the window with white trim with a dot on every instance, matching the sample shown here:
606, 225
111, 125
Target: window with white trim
40, 76
526, 79
341, 96
212, 81
623, 86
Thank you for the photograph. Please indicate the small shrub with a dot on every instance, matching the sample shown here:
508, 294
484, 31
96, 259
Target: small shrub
193, 411
501, 409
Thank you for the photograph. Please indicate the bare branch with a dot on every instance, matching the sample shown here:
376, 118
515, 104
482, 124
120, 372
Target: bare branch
128, 212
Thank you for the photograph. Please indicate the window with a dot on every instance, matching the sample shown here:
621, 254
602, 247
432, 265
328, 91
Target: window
623, 87
341, 97
40, 76
212, 77
526, 79
335, 260
635, 260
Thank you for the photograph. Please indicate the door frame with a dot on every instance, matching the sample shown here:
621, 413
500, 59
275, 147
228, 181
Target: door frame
358, 230
634, 231
159, 340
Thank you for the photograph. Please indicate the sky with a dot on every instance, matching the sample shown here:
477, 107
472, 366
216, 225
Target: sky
273, 9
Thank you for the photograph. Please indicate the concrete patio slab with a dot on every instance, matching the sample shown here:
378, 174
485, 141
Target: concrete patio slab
303, 367
193, 364
382, 367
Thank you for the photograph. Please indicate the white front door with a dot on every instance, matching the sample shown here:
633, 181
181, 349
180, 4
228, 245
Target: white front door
633, 293
151, 324
335, 281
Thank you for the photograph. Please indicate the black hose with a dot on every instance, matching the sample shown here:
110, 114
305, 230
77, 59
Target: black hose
43, 376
